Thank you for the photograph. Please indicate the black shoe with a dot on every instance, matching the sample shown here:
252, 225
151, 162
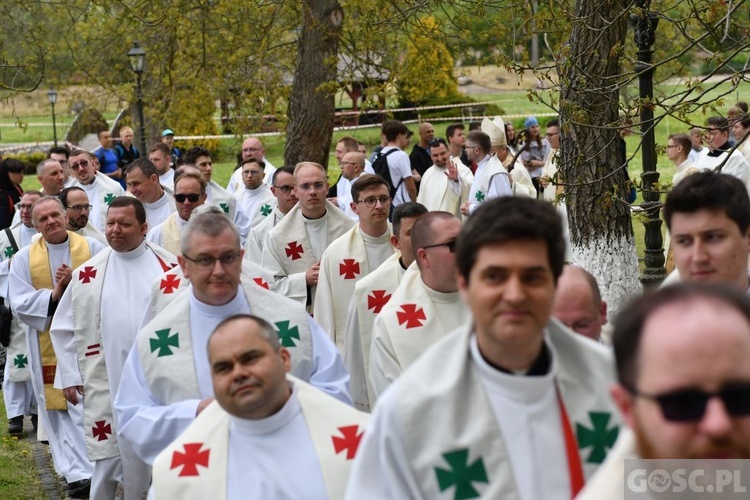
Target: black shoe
34, 420
15, 426
79, 489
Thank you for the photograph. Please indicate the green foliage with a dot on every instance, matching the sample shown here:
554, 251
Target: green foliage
428, 69
31, 160
89, 121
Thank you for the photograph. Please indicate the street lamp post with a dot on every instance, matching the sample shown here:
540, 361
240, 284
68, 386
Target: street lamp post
644, 25
137, 58
52, 97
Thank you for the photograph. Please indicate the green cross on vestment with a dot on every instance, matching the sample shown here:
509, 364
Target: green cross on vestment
480, 196
287, 333
225, 207
21, 361
598, 438
265, 210
109, 198
164, 342
461, 474
8, 252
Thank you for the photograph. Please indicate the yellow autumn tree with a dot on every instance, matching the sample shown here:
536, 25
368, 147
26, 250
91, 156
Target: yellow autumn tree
427, 74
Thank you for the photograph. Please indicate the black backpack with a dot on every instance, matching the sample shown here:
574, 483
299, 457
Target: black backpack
380, 166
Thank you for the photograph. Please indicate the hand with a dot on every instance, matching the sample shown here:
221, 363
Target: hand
544, 181
202, 405
465, 208
63, 275
71, 393
311, 275
452, 171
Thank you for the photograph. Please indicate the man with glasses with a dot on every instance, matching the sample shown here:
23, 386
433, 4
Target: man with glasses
92, 331
717, 139
18, 392
354, 254
251, 148
490, 174
684, 394
446, 184
425, 307
189, 194
294, 247
255, 201
536, 393
100, 189
282, 188
166, 380
77, 208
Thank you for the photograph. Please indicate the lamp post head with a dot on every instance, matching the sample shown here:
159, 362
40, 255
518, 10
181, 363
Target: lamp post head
137, 57
52, 95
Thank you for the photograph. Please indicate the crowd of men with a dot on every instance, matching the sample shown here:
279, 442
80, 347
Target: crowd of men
415, 330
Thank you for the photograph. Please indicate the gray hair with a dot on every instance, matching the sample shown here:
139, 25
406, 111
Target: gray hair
209, 220
45, 199
40, 166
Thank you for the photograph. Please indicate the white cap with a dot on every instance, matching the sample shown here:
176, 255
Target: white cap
496, 130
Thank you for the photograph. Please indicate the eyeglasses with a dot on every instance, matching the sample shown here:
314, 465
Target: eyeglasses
450, 244
79, 208
552, 134
670, 146
285, 189
193, 197
81, 164
208, 262
252, 172
372, 201
23, 206
469, 146
689, 405
318, 186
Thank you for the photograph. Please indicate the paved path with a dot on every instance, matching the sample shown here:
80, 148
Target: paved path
54, 486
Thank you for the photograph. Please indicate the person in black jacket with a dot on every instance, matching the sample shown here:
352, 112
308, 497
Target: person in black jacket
11, 177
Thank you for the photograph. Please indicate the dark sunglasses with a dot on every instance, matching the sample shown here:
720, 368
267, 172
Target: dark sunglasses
689, 405
450, 244
193, 197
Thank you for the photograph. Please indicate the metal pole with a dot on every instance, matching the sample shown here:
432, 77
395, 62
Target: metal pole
644, 24
141, 125
54, 124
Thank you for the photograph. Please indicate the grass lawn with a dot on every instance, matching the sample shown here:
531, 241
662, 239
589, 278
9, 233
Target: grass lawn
18, 475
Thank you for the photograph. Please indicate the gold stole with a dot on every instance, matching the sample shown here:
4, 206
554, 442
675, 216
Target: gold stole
41, 277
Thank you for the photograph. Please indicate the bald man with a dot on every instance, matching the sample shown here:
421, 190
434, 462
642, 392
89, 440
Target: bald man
579, 304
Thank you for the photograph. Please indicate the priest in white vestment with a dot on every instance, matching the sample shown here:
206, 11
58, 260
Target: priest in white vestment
93, 331
39, 274
668, 373
282, 188
267, 435
522, 185
424, 308
446, 184
490, 174
354, 254
256, 200
200, 157
294, 247
18, 392
536, 393
161, 157
77, 208
100, 189
143, 183
189, 194
166, 379
251, 148
720, 152
371, 294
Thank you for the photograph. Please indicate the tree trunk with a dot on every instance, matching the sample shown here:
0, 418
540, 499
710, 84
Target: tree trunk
311, 104
595, 179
